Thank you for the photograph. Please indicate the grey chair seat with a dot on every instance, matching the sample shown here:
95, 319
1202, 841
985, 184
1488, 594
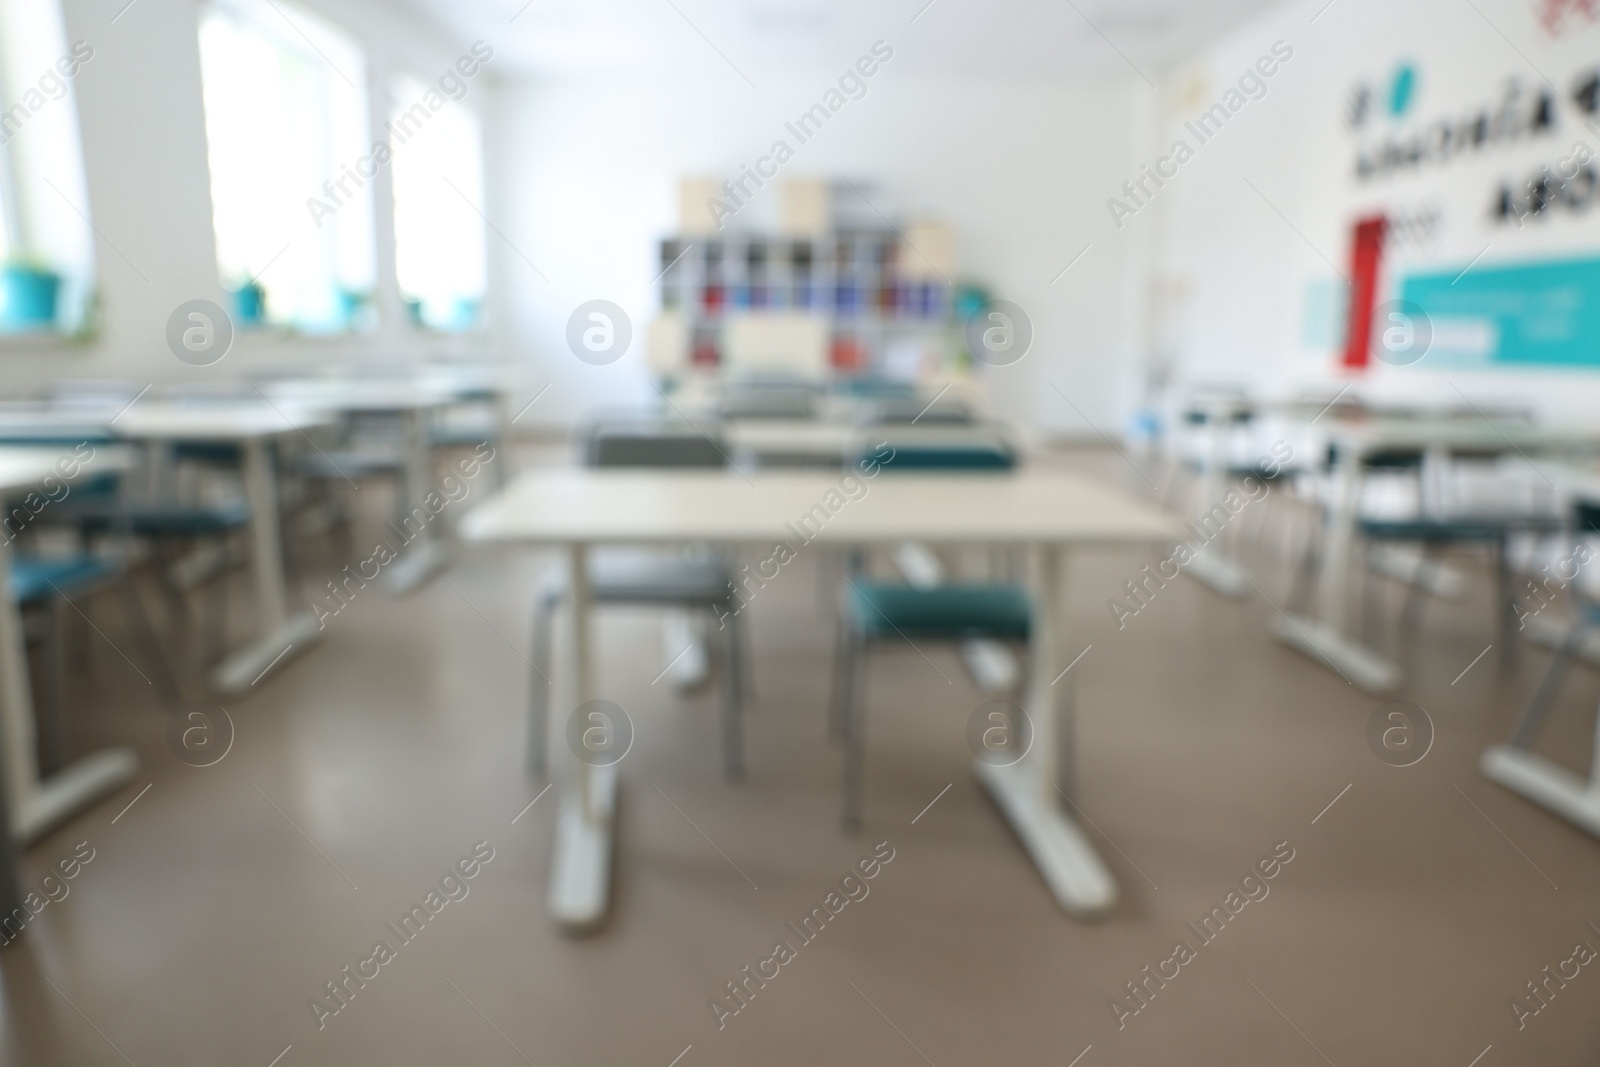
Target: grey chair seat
652, 578
649, 576
873, 611
700, 580
352, 463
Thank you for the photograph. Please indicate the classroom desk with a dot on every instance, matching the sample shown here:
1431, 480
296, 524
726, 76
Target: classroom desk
1046, 513
36, 805
414, 401
1322, 636
252, 426
1513, 766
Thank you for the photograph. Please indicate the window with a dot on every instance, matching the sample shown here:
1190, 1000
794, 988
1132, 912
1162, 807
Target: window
438, 188
286, 128
47, 244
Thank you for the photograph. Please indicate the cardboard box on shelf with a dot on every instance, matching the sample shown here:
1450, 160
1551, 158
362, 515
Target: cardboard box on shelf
694, 213
805, 208
930, 251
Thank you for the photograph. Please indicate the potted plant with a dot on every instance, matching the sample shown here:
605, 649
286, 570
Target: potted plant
358, 310
30, 292
249, 302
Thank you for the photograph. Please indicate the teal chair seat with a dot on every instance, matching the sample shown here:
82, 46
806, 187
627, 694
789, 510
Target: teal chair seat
461, 436
1434, 535
957, 456
170, 520
1437, 530
873, 388
955, 611
949, 612
48, 585
35, 579
212, 453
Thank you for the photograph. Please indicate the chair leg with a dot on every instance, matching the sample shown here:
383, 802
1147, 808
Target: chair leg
544, 607
1300, 593
1371, 609
827, 578
1532, 717
732, 704
853, 729
1594, 757
1411, 610
746, 671
165, 682
79, 641
1172, 493
1505, 589
838, 684
1261, 522
52, 741
177, 607
216, 643
290, 540
344, 528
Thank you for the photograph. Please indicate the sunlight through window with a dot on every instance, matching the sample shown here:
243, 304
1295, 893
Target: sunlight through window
286, 128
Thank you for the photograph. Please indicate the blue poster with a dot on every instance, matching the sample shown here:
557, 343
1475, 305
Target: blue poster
1540, 314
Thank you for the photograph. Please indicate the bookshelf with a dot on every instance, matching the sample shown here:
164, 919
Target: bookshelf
859, 281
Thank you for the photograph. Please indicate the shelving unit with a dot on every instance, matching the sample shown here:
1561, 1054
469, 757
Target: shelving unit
858, 279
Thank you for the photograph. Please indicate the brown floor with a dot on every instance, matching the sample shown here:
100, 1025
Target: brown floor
1413, 910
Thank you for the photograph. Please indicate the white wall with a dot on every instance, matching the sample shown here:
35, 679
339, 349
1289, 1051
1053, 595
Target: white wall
145, 155
587, 176
1240, 264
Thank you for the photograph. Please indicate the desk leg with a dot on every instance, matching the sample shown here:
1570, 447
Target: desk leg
502, 438
280, 634
426, 555
1026, 791
1546, 784
1548, 631
1574, 799
35, 806
580, 869
683, 648
10, 883
1322, 637
16, 700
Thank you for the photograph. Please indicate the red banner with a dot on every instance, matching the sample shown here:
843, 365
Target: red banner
1366, 257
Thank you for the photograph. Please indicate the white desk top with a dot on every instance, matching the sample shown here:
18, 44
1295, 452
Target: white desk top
574, 506
1369, 434
26, 468
1579, 481
214, 421
364, 394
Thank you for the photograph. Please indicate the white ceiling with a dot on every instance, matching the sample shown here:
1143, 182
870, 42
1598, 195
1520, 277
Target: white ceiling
984, 39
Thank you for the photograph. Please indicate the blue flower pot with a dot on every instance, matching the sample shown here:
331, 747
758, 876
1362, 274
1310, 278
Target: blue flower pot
28, 298
249, 305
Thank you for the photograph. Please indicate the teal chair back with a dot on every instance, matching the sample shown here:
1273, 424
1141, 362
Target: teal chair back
988, 455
